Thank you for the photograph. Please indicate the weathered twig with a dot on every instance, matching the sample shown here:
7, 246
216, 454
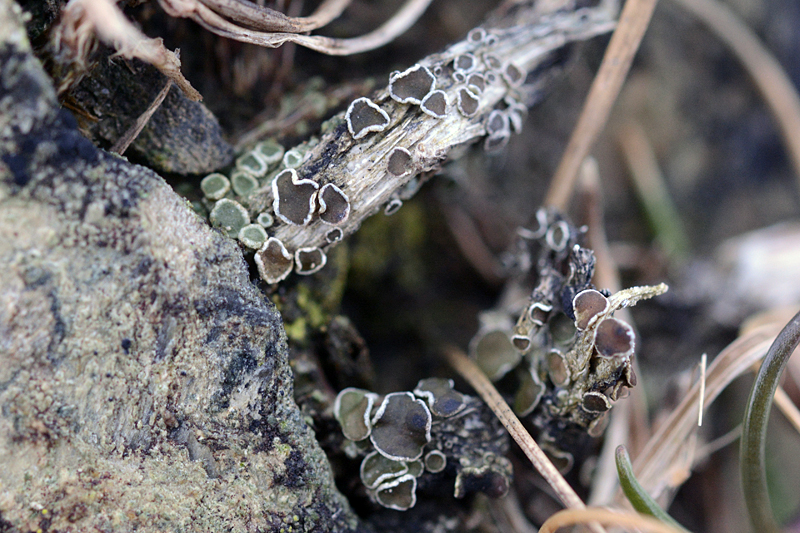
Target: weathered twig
500, 55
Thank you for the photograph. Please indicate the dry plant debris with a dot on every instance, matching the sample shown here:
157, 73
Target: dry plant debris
380, 150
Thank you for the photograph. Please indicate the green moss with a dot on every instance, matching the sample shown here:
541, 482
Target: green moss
296, 331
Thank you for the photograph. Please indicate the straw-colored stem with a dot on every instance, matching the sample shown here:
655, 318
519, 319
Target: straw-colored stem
569, 517
470, 372
633, 22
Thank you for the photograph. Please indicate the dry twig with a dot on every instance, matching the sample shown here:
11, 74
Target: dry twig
205, 14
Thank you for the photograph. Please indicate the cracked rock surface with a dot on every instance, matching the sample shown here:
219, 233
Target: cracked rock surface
144, 382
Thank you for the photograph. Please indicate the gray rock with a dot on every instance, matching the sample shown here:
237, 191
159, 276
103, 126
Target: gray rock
144, 382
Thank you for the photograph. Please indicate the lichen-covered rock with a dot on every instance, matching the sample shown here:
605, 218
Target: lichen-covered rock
144, 382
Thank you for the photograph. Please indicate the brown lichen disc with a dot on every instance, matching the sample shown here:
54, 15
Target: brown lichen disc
376, 469
497, 122
352, 409
435, 104
334, 206
468, 102
309, 260
295, 198
614, 337
398, 494
596, 402
364, 116
442, 399
274, 261
587, 305
401, 427
400, 163
411, 85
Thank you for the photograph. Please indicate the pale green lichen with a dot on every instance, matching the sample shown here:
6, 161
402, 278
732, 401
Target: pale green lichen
229, 216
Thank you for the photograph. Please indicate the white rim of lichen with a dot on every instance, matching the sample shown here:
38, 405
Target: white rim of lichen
284, 252
392, 206
299, 264
383, 477
246, 175
597, 315
436, 453
334, 235
397, 76
461, 102
295, 181
337, 407
470, 57
535, 378
218, 193
431, 112
324, 207
372, 128
631, 336
550, 239
430, 397
509, 79
379, 414
407, 171
596, 394
259, 158
476, 35
393, 483
250, 243
290, 155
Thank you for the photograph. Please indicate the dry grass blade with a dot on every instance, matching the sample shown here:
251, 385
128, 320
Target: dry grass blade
265, 19
652, 190
775, 86
788, 408
125, 141
83, 18
212, 21
569, 517
628, 420
659, 462
633, 22
470, 372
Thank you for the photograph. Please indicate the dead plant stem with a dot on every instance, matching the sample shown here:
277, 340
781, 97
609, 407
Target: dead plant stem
470, 372
633, 22
129, 136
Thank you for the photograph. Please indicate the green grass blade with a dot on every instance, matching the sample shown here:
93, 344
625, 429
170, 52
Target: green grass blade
754, 427
636, 494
